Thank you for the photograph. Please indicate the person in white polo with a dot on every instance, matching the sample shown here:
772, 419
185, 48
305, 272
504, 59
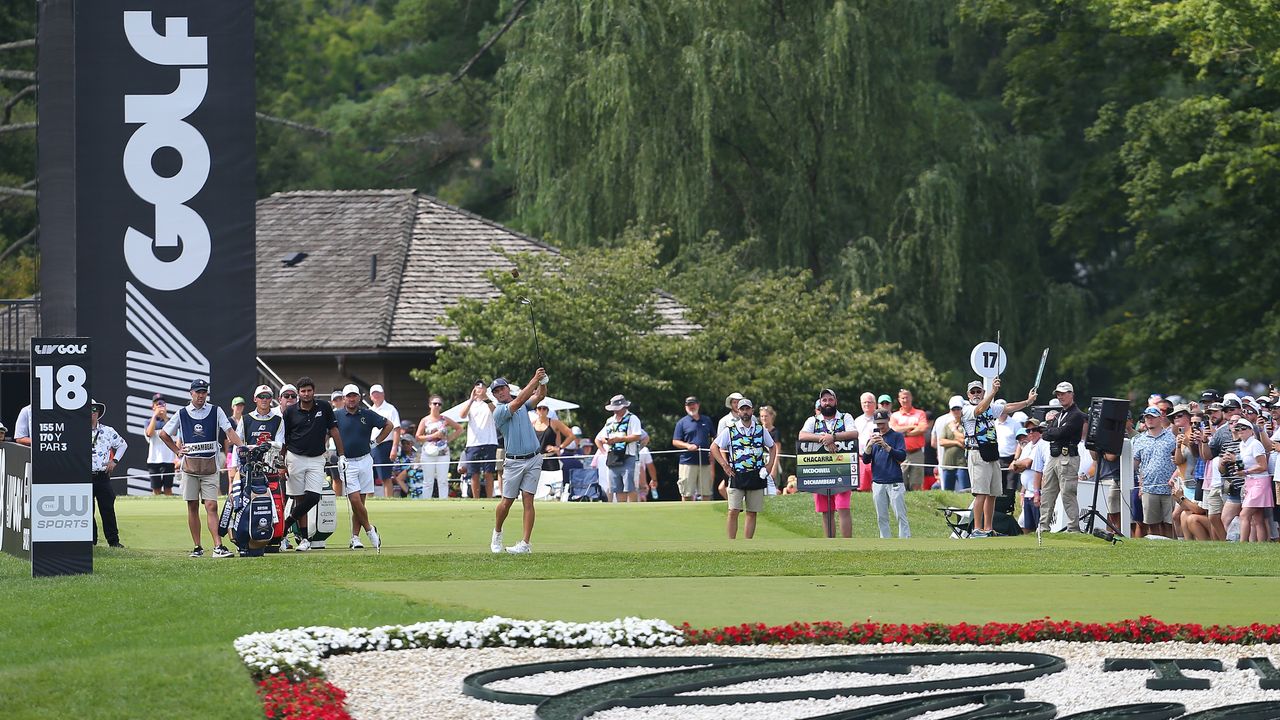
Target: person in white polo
522, 467
356, 425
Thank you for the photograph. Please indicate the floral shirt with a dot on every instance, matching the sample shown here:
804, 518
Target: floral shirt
1155, 461
104, 439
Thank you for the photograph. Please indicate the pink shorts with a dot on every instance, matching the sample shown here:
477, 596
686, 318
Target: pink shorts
1257, 492
827, 503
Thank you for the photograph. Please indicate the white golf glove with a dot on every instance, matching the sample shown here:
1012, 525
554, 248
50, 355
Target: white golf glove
342, 464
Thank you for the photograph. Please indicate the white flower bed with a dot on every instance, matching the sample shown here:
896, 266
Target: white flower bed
299, 652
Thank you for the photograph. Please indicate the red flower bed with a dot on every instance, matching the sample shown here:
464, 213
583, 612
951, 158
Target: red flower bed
310, 699
1143, 630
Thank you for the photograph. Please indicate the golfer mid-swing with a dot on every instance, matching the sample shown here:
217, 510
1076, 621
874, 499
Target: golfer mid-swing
522, 468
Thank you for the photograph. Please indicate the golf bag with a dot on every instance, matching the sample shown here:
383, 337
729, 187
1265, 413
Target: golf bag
584, 486
256, 518
322, 520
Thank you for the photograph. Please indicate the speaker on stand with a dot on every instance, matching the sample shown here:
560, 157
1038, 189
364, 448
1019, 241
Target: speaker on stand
1108, 420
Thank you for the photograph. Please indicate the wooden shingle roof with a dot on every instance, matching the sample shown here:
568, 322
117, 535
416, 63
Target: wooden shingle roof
429, 256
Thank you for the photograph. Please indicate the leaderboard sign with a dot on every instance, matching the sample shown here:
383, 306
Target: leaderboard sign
61, 485
147, 167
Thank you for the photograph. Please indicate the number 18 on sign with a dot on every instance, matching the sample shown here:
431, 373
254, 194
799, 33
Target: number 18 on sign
988, 360
61, 484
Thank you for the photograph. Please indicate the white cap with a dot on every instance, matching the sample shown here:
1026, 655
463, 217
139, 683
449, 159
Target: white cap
577, 431
1064, 386
1055, 403
955, 402
375, 388
1019, 417
1243, 423
728, 402
263, 389
288, 387
747, 402
1230, 396
350, 389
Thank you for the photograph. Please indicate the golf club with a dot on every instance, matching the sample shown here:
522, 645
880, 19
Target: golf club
534, 324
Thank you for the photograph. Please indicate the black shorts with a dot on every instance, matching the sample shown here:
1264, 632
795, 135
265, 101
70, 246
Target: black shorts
162, 475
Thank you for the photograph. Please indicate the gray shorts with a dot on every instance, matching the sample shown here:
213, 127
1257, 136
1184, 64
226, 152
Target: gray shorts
1213, 501
1112, 488
199, 487
749, 500
521, 476
1157, 509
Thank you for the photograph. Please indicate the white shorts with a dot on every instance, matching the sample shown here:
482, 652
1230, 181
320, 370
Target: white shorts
359, 476
306, 474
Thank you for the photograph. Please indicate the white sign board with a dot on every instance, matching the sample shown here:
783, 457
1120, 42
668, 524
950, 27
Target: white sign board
988, 360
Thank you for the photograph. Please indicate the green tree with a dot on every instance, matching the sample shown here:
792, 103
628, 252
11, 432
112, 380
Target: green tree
18, 257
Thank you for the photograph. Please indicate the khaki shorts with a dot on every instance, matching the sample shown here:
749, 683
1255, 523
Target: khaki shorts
985, 477
1157, 509
753, 499
199, 487
1113, 495
694, 480
1213, 501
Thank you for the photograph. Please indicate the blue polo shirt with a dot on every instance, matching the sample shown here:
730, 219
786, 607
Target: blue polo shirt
699, 433
355, 429
516, 429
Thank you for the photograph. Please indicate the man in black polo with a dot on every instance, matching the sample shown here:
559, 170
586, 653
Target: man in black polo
1064, 429
307, 426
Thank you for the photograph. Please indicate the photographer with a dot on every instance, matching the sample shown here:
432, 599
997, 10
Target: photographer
885, 453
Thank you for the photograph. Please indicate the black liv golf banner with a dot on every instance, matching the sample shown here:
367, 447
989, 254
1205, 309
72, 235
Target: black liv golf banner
155, 202
61, 487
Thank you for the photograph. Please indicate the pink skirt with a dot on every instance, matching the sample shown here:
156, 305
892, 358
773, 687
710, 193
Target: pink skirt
1258, 492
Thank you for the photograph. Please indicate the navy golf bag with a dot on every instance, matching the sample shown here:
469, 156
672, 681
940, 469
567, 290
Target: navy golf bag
255, 515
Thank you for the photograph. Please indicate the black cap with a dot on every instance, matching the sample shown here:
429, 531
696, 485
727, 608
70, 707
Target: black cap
1231, 404
199, 384
1211, 395
880, 415
691, 400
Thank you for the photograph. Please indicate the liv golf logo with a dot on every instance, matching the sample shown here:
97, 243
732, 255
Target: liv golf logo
952, 693
168, 359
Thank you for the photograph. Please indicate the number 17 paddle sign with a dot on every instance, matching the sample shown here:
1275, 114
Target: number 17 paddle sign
988, 360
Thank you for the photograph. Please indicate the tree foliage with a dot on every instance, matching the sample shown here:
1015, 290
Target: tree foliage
765, 334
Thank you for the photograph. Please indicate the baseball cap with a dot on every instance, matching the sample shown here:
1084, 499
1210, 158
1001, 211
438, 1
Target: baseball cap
1019, 417
1244, 423
745, 402
288, 387
376, 388
1231, 404
498, 382
828, 391
406, 425
1064, 386
158, 397
884, 399
577, 431
1215, 406
691, 400
263, 389
1153, 412
880, 415
1034, 424
335, 395
237, 400
1055, 403
350, 389
955, 402
199, 384
1210, 394
1020, 432
975, 385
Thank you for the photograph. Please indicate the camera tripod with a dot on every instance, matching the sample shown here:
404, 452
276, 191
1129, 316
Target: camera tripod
1112, 534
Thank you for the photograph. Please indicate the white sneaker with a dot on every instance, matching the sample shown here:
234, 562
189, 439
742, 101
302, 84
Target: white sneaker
495, 544
285, 545
355, 543
304, 545
372, 532
521, 548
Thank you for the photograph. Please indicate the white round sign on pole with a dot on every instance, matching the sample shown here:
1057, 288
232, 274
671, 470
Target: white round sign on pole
987, 360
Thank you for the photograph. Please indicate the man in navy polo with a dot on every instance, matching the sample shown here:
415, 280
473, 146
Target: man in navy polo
356, 425
522, 467
693, 435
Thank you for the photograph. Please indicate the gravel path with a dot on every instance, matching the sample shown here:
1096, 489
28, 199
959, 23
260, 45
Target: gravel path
404, 684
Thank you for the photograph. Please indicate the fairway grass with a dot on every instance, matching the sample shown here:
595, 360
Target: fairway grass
149, 633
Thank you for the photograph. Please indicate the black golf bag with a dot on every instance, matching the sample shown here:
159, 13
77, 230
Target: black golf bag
255, 516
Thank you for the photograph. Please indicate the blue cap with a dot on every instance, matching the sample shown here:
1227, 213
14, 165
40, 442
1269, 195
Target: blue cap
199, 384
497, 383
1152, 411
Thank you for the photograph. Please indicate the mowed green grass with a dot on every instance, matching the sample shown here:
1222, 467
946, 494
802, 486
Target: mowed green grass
149, 633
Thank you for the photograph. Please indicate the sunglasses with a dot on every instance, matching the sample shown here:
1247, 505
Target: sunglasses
289, 396
265, 397
436, 404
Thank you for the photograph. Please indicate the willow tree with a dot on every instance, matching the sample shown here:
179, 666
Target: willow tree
835, 132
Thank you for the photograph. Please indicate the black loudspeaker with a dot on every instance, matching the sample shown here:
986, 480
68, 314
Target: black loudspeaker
1107, 419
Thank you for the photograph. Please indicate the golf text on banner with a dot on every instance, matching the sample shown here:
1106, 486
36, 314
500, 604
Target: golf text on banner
147, 197
61, 487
